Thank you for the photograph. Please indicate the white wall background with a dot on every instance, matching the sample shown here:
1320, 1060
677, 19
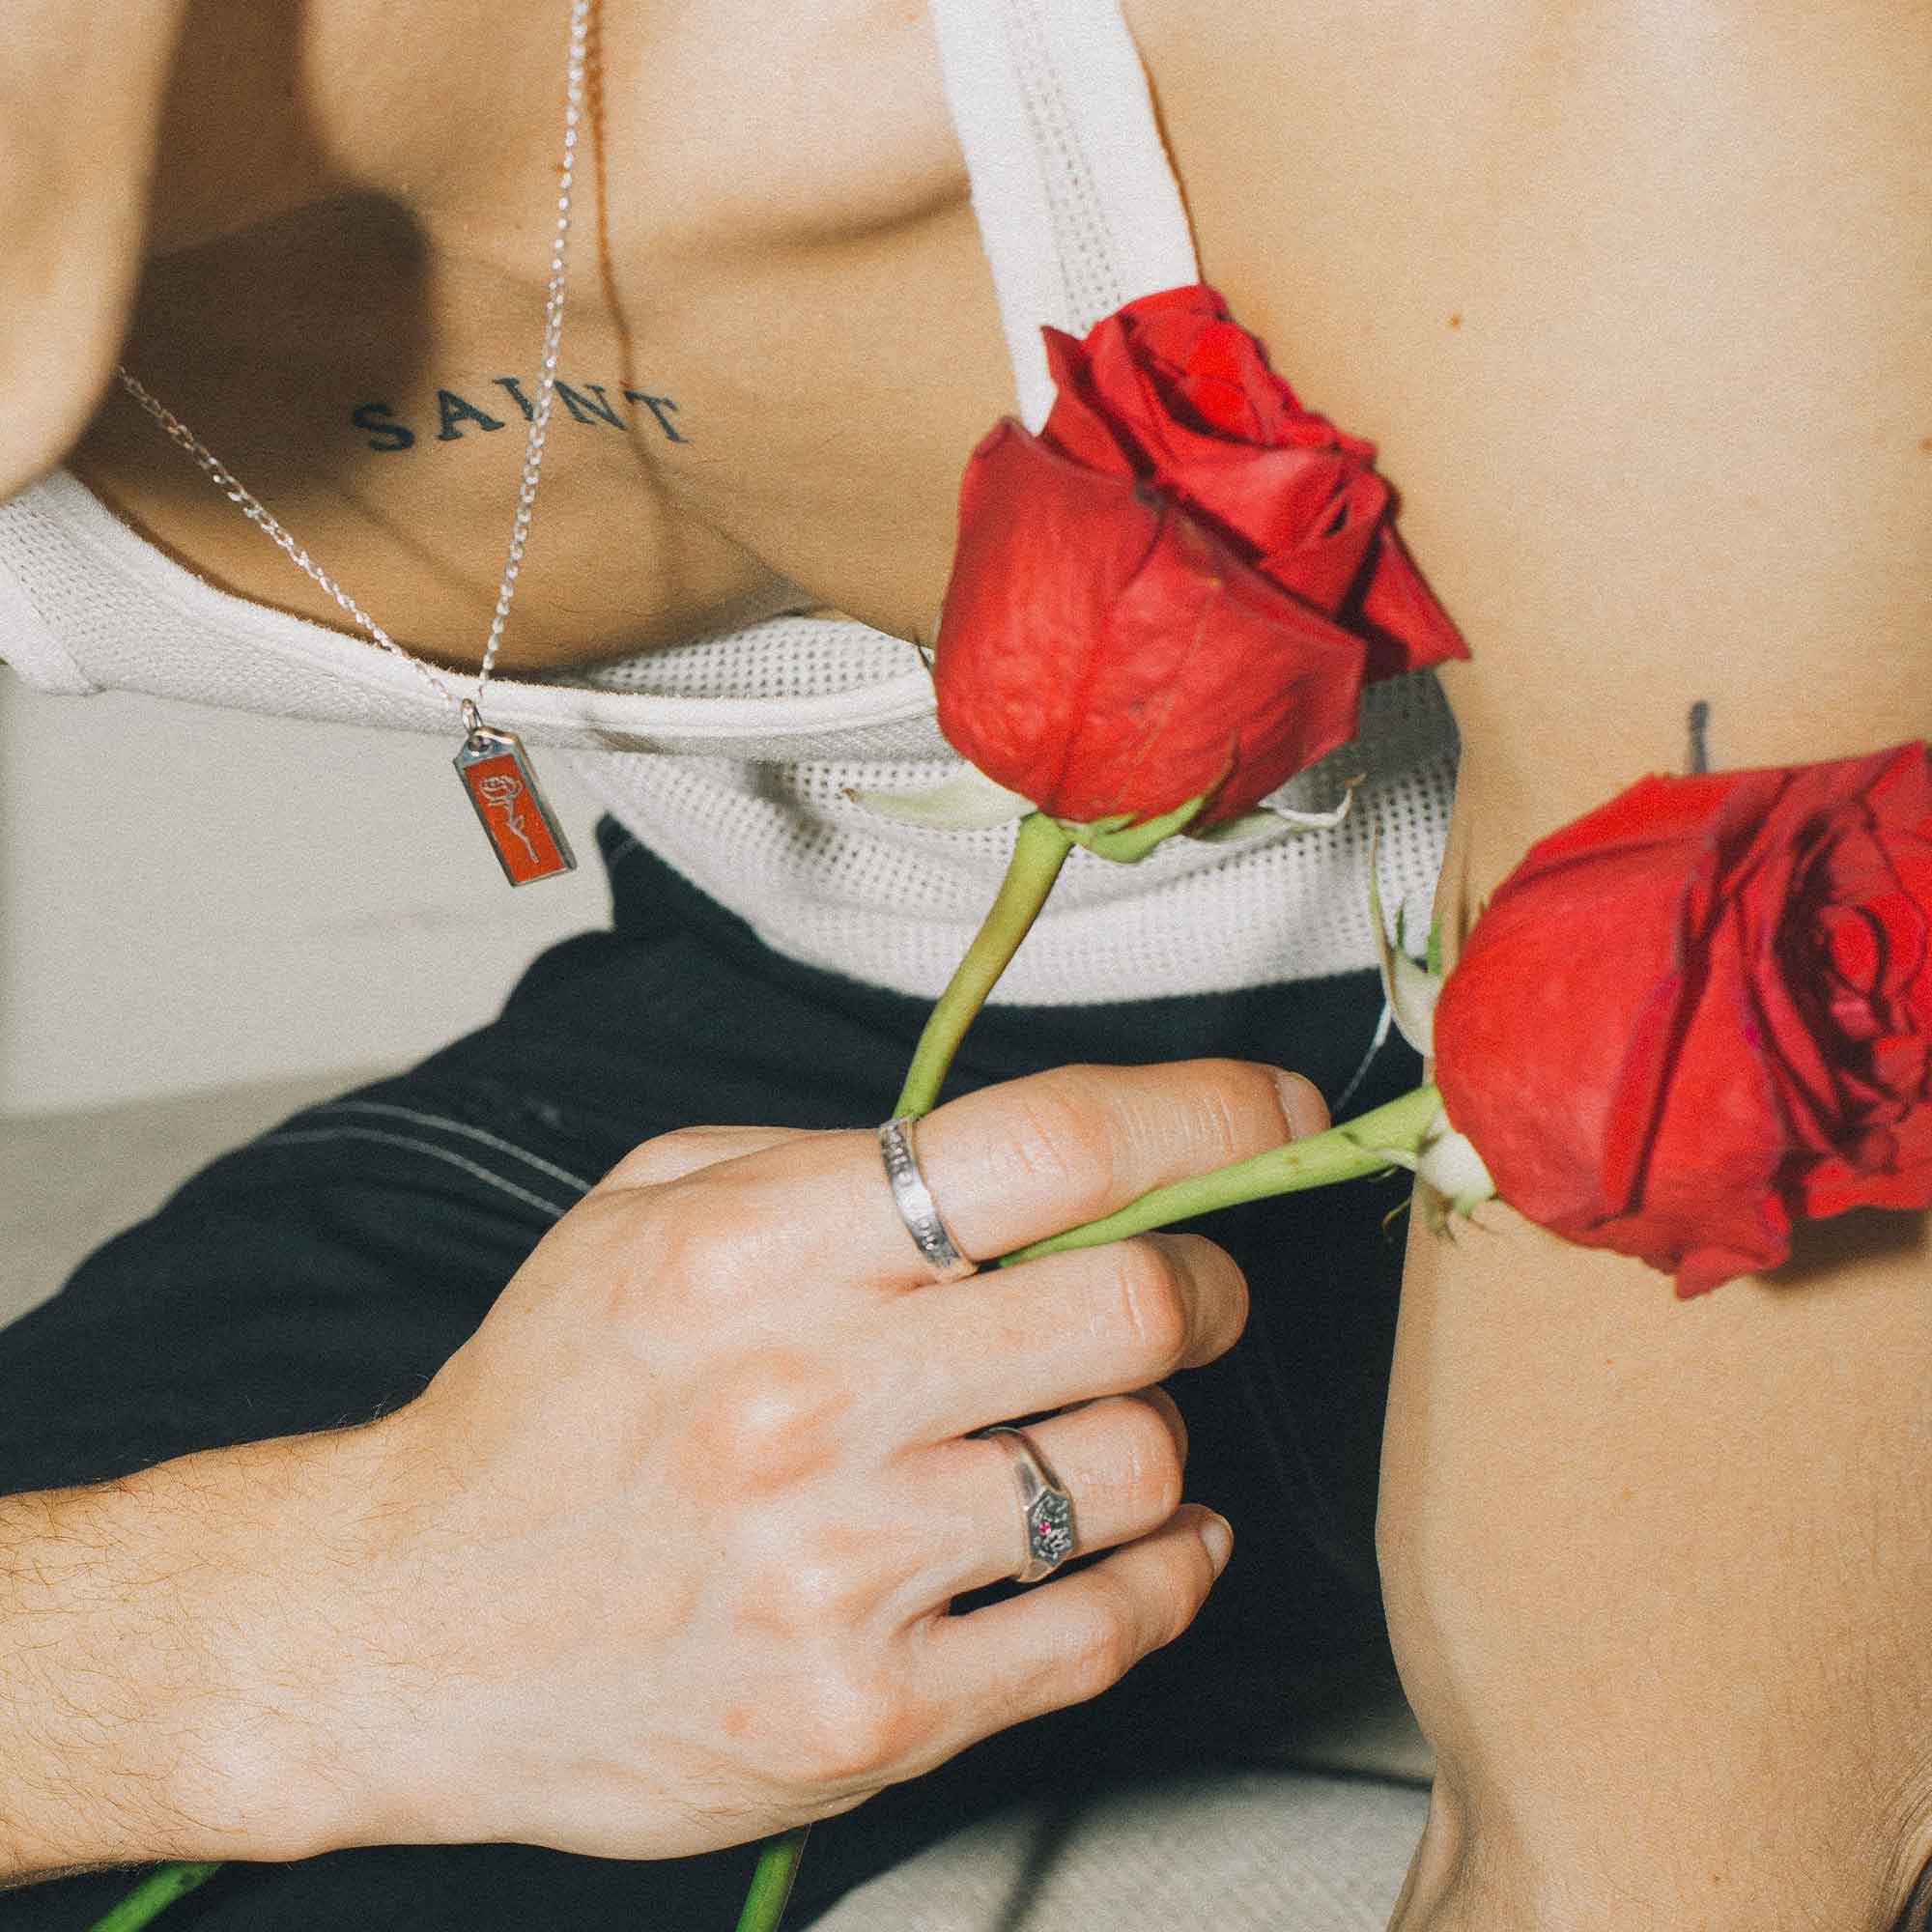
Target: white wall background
191, 898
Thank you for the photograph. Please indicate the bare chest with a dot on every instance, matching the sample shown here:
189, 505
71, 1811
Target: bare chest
767, 389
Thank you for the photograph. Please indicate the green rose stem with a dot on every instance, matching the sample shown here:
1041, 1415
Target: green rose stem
770, 1882
1389, 1136
1038, 853
154, 1896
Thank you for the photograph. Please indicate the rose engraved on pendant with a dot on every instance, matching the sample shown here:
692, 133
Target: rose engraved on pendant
501, 792
528, 840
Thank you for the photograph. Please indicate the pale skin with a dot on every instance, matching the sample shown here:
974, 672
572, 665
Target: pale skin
1635, 300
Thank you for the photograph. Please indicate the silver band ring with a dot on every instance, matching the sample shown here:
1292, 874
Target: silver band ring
916, 1207
1046, 1510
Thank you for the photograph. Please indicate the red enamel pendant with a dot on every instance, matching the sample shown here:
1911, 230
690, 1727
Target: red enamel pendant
524, 832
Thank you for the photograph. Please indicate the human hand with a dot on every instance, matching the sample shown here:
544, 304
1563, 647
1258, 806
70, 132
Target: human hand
662, 1560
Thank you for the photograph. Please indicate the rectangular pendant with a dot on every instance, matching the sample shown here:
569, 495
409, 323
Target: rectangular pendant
524, 834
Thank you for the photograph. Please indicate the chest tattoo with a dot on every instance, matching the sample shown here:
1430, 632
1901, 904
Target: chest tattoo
458, 415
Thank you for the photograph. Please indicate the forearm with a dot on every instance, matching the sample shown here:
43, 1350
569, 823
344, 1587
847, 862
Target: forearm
170, 1673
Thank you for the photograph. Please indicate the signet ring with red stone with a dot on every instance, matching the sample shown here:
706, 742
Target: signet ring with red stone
1046, 1510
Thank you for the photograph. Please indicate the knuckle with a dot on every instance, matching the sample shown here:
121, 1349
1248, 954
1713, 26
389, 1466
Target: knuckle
656, 1267
706, 1238
662, 1157
1058, 1142
1152, 1459
809, 1598
792, 1592
855, 1731
1101, 1647
762, 1421
1147, 1310
617, 1254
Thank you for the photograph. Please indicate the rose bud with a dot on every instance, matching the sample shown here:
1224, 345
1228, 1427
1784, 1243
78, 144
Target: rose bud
1167, 602
1706, 1009
1106, 655
1162, 608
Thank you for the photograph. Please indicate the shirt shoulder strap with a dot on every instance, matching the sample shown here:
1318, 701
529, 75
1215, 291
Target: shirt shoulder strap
1078, 208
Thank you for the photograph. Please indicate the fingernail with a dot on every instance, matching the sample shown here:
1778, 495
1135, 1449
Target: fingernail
1219, 1540
1301, 1103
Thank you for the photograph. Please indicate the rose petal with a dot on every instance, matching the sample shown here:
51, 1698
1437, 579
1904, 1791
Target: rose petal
1174, 389
1102, 653
1077, 425
1409, 629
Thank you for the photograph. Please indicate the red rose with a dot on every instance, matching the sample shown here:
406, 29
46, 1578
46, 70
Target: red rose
1171, 389
1175, 589
1104, 653
1704, 1008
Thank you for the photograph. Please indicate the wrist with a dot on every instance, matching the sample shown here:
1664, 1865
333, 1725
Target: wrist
176, 1690
295, 1615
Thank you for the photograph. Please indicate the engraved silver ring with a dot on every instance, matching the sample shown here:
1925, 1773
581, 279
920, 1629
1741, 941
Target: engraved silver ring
916, 1207
1046, 1510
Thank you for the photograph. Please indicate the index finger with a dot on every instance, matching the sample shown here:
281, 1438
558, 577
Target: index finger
1011, 1164
1007, 1165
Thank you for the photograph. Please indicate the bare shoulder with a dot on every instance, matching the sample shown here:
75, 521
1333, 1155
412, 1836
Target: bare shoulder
1638, 304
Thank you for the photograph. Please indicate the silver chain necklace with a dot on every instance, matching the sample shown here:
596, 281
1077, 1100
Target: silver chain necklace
523, 832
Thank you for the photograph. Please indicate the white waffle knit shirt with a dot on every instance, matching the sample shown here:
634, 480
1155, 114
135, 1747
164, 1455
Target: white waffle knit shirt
731, 756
